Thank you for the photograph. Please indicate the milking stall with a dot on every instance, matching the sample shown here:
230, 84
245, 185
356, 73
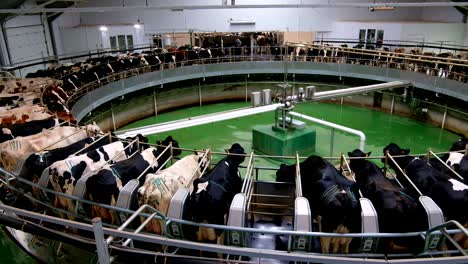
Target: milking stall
224, 131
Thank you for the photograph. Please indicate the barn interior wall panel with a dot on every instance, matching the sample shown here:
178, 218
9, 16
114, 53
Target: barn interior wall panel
26, 39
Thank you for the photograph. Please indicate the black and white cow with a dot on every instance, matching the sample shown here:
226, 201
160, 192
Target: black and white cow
26, 129
104, 186
213, 193
331, 195
449, 194
459, 145
397, 211
453, 159
36, 163
65, 173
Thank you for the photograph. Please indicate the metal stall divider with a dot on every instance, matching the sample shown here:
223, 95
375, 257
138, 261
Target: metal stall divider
369, 217
238, 209
302, 216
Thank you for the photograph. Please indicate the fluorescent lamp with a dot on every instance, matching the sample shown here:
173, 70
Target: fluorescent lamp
103, 28
381, 8
241, 22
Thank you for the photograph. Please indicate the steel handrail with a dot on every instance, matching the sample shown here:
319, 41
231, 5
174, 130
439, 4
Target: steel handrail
253, 57
298, 177
404, 174
345, 161
447, 166
441, 228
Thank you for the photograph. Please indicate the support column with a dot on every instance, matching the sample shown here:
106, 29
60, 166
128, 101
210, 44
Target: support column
101, 245
155, 104
444, 118
199, 93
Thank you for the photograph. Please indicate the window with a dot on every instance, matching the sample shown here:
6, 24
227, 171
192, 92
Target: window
113, 42
379, 41
129, 41
121, 42
370, 38
362, 36
157, 40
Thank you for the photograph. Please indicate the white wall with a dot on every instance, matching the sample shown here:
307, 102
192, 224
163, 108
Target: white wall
466, 35
269, 19
89, 38
66, 20
400, 24
450, 33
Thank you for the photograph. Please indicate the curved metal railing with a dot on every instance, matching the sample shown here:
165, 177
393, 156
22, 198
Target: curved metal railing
428, 65
124, 232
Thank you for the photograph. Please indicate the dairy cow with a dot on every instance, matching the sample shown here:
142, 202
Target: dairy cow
9, 101
159, 188
23, 114
104, 186
397, 211
331, 195
14, 151
213, 193
451, 195
37, 162
9, 132
63, 174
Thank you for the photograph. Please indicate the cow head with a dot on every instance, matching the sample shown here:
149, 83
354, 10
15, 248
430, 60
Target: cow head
176, 151
93, 128
357, 159
236, 148
394, 150
286, 173
459, 145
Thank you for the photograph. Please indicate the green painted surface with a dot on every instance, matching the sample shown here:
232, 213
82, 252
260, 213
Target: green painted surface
11, 253
267, 141
380, 129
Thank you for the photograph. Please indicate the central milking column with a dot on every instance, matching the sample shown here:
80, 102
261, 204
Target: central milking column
287, 135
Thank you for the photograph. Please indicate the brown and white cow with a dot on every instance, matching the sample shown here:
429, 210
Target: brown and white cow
14, 151
27, 85
159, 188
23, 114
63, 174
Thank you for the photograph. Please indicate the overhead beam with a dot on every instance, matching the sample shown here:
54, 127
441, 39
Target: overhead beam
132, 8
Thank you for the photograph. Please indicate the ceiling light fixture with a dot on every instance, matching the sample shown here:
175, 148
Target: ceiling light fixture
137, 25
381, 8
103, 28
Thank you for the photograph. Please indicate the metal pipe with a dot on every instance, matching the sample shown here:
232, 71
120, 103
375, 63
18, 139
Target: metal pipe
361, 134
195, 121
350, 171
89, 145
101, 245
404, 174
358, 90
445, 164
